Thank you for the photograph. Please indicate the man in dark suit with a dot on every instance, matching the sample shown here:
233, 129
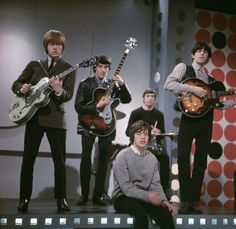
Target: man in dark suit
92, 109
48, 119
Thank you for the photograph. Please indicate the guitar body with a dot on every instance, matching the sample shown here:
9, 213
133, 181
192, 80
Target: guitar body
194, 106
104, 123
25, 106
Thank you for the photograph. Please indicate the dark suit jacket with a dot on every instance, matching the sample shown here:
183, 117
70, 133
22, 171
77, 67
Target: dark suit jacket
53, 114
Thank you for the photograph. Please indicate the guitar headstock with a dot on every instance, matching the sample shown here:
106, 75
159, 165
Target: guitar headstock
88, 62
130, 44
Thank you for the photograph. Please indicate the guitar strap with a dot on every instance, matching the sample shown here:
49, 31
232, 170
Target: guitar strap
43, 68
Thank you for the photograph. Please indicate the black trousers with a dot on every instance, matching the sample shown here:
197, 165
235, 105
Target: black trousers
142, 211
164, 162
57, 141
104, 148
201, 131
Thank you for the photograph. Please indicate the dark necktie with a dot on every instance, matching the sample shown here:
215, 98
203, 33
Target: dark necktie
51, 65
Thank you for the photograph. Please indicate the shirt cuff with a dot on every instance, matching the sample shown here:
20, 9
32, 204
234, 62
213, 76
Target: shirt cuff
59, 94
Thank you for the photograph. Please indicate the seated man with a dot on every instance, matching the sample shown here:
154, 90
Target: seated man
148, 113
137, 189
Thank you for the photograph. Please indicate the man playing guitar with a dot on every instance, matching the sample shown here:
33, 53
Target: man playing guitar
94, 106
198, 128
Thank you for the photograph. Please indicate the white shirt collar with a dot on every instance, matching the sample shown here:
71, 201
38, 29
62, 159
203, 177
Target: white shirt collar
134, 148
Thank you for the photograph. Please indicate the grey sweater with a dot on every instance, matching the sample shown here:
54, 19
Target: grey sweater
136, 175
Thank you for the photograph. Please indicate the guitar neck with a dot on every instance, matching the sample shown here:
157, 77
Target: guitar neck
121, 63
68, 71
225, 93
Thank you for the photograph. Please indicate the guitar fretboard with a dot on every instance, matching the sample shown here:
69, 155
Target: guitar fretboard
121, 63
225, 93
68, 71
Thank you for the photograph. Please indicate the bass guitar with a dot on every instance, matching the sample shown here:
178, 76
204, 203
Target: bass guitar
105, 122
24, 107
194, 106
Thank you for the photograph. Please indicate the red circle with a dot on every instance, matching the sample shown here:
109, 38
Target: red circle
214, 188
218, 115
214, 169
231, 42
229, 204
228, 189
203, 35
217, 131
218, 74
218, 58
230, 115
230, 151
215, 203
203, 19
230, 132
229, 168
219, 21
231, 78
231, 60
232, 24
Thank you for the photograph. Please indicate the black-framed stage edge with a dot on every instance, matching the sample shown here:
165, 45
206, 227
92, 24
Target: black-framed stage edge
43, 214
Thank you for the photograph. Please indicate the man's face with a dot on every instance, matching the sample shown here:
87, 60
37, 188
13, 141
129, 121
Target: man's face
200, 57
149, 99
54, 50
101, 71
141, 139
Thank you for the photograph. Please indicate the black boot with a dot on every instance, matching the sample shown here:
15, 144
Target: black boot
98, 201
196, 208
82, 201
185, 208
23, 205
62, 205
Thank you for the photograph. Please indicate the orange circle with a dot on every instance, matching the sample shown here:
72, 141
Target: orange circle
231, 78
217, 131
230, 132
203, 19
218, 115
203, 35
214, 188
218, 74
229, 168
231, 60
232, 24
214, 169
231, 42
218, 58
229, 204
215, 203
228, 189
230, 115
219, 21
230, 151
